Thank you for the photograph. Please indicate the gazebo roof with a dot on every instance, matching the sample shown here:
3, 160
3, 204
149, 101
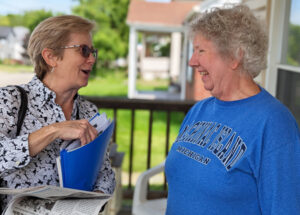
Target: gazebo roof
170, 14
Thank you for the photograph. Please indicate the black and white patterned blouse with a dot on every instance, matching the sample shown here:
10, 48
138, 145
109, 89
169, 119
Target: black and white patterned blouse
17, 168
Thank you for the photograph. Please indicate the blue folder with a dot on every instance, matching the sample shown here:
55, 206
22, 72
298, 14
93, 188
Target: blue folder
80, 167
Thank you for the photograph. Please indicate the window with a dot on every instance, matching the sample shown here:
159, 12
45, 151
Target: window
288, 91
283, 72
293, 47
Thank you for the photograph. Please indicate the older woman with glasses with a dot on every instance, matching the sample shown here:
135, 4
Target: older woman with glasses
62, 52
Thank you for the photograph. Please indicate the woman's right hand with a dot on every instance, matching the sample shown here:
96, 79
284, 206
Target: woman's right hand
66, 130
75, 129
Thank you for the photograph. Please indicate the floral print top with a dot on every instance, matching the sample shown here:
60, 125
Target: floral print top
17, 168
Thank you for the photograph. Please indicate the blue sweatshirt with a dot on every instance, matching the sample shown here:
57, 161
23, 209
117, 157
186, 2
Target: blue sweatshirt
239, 157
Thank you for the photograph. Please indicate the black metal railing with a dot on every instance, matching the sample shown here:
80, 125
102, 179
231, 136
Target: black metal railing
139, 104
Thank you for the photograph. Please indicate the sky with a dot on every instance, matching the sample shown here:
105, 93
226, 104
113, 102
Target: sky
295, 12
19, 6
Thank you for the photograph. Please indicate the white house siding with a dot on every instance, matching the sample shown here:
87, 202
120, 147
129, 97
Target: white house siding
11, 47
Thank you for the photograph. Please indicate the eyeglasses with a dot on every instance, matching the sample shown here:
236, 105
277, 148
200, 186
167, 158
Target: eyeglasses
84, 49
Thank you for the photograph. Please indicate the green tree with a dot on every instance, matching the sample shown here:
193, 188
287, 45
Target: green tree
293, 55
111, 34
34, 17
29, 19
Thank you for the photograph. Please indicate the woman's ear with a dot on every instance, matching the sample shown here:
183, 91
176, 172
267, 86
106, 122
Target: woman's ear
236, 61
49, 57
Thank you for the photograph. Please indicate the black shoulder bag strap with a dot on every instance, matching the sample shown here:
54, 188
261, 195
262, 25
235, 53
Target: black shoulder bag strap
22, 110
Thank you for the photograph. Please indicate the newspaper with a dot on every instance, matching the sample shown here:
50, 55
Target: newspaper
52, 200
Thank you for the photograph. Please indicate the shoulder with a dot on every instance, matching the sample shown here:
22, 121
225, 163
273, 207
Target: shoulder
197, 109
10, 96
280, 126
274, 111
202, 104
10, 101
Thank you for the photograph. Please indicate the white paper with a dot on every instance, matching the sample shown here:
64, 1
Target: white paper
46, 200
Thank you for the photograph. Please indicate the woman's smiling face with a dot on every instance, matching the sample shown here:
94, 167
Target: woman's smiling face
217, 74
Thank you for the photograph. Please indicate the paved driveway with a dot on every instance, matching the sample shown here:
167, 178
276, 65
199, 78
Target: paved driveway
14, 78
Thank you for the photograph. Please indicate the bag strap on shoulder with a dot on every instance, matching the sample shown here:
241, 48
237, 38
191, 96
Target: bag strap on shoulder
22, 109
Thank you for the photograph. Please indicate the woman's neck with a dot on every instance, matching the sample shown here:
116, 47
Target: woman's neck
64, 95
241, 88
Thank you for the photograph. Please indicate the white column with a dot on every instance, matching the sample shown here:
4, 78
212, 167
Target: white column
175, 55
132, 63
279, 13
184, 65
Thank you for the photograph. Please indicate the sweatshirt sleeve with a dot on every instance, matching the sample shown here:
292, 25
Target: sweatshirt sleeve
278, 182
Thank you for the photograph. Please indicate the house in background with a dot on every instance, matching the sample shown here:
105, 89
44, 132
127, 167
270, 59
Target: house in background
158, 23
12, 40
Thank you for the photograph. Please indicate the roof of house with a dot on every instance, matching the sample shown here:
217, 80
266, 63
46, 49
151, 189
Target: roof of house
154, 13
5, 31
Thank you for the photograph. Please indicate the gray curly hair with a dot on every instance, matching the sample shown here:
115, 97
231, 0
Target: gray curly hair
235, 30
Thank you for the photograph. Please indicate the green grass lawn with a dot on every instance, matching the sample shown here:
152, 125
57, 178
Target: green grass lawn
16, 68
115, 83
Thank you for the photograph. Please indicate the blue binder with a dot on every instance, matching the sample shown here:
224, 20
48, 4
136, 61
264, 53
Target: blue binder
80, 167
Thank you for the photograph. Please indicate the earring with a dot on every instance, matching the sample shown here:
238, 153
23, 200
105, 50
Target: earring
52, 70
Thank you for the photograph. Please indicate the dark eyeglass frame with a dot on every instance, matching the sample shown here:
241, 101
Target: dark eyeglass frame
85, 50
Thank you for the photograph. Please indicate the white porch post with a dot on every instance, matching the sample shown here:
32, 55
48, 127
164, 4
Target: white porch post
132, 63
184, 64
279, 19
175, 55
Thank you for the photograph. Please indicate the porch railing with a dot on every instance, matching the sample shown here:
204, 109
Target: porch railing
139, 104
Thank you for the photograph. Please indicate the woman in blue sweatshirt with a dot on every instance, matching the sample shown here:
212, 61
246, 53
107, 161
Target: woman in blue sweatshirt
237, 152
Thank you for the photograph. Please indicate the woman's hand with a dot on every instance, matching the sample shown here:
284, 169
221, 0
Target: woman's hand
76, 129
67, 130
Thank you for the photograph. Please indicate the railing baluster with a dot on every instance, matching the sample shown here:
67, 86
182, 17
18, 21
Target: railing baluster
167, 142
131, 146
168, 133
149, 139
115, 130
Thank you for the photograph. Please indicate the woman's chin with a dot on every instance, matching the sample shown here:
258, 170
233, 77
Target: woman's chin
83, 83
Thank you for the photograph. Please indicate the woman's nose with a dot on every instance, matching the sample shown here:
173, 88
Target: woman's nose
193, 61
91, 59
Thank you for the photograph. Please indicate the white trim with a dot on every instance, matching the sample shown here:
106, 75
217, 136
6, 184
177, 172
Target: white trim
156, 28
190, 72
209, 4
132, 63
254, 5
175, 55
289, 68
276, 38
184, 65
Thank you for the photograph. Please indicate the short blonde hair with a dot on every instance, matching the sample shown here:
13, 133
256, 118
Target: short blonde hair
53, 33
232, 30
